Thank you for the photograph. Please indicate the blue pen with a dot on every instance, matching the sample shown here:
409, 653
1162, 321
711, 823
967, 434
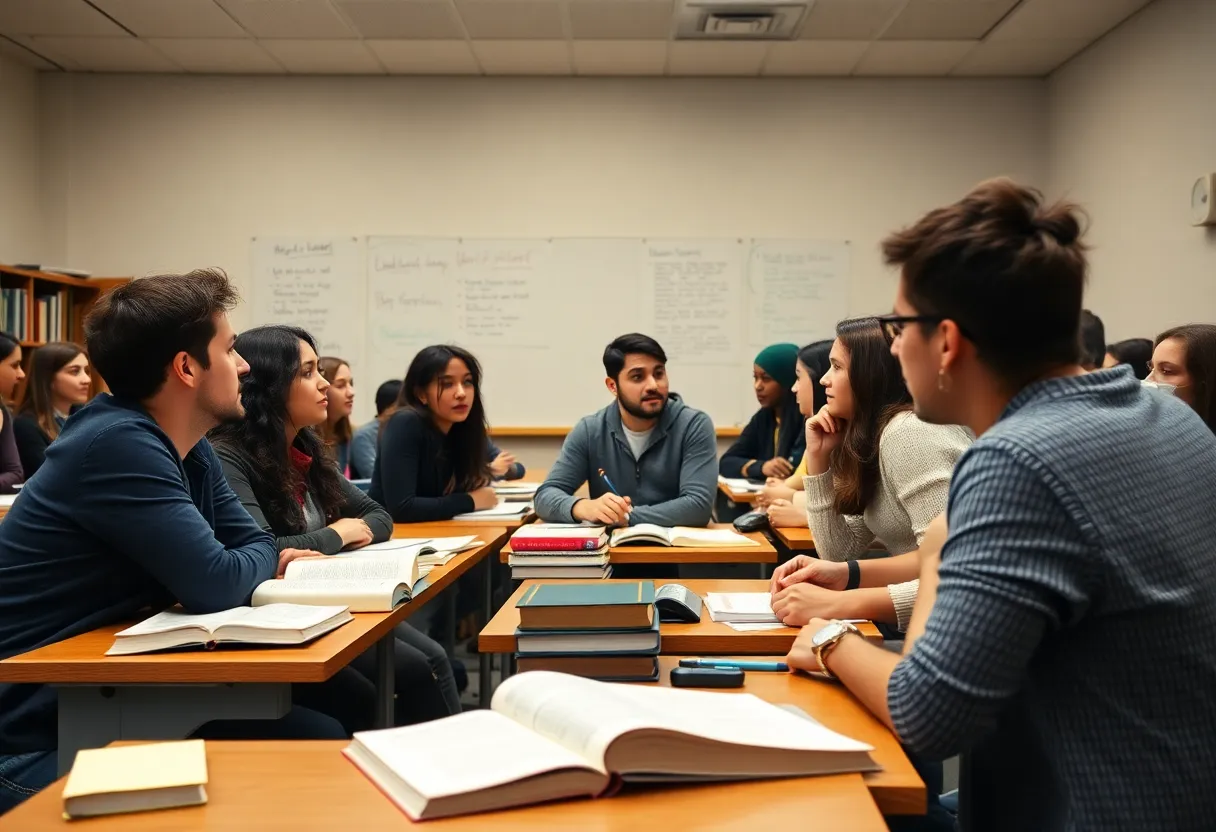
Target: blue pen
608, 483
771, 667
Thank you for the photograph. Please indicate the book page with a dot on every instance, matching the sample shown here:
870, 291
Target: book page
641, 531
393, 545
355, 594
586, 716
745, 603
401, 567
466, 753
288, 616
690, 536
503, 509
175, 619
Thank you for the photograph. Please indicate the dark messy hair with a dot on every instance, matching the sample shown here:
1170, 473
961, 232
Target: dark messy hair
633, 343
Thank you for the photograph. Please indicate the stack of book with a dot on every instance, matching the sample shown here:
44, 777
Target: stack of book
605, 631
559, 551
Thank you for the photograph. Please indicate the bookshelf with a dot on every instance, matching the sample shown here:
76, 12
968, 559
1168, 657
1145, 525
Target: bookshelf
37, 307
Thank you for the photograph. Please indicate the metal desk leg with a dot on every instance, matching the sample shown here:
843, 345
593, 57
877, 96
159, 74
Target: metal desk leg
485, 661
965, 821
386, 712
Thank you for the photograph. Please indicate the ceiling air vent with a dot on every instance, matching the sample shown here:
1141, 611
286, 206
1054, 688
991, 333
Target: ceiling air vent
739, 19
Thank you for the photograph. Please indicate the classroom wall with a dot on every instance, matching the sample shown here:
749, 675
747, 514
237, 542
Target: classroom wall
1132, 125
174, 172
21, 226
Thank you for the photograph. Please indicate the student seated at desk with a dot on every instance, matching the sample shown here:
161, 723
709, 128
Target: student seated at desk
659, 453
130, 512
286, 479
1065, 633
432, 463
1184, 364
772, 442
1137, 353
784, 500
366, 437
59, 381
336, 430
874, 472
11, 373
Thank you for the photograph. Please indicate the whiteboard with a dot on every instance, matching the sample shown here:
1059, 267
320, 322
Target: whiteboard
538, 313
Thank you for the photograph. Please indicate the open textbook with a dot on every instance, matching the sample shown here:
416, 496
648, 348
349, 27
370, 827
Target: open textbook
682, 536
430, 551
364, 584
271, 624
550, 735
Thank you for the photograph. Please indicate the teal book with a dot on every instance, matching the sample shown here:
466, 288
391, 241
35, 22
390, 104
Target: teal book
601, 605
632, 641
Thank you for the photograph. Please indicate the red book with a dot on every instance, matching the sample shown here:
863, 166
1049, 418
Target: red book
542, 539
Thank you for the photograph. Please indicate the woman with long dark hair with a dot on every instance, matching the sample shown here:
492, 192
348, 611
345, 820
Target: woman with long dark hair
1184, 360
433, 463
59, 381
783, 498
875, 472
11, 374
284, 474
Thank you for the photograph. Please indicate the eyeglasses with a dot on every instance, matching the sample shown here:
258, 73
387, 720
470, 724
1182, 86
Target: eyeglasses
893, 325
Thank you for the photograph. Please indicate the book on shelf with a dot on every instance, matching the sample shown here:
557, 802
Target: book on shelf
284, 624
635, 640
136, 778
558, 538
592, 606
55, 270
680, 536
562, 573
603, 667
549, 736
364, 584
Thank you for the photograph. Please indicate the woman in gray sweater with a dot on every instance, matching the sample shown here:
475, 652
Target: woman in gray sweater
875, 474
286, 477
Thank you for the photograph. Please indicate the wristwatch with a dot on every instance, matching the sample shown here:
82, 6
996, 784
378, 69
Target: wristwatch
827, 637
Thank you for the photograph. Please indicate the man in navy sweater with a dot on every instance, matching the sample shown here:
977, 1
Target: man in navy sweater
131, 512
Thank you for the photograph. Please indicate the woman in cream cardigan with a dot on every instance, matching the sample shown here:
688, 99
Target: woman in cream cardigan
875, 474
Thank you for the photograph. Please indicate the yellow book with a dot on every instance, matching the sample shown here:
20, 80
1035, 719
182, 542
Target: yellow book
136, 778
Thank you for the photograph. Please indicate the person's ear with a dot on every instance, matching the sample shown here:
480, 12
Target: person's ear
951, 345
610, 383
183, 368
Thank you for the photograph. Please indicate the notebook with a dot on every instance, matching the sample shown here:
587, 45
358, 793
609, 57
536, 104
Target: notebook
376, 583
136, 778
741, 484
271, 624
680, 536
504, 508
741, 607
549, 736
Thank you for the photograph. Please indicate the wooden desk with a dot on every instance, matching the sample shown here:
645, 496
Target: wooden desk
706, 638
631, 553
303, 786
748, 497
897, 789
795, 539
168, 695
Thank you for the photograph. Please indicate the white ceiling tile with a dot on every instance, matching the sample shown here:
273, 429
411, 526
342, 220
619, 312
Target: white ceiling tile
1066, 19
511, 19
848, 19
621, 19
1018, 57
315, 19
324, 57
125, 54
715, 58
947, 19
14, 51
404, 19
73, 18
523, 57
913, 57
814, 57
425, 57
218, 56
176, 19
620, 57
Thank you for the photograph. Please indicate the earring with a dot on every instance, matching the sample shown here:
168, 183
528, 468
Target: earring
944, 382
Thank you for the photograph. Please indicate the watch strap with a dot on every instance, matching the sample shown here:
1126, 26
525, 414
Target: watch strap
854, 575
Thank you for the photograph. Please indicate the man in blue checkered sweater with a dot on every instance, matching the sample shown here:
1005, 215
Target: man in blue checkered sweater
1065, 629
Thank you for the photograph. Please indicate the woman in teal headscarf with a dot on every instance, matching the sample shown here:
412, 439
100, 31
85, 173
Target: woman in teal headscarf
773, 441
